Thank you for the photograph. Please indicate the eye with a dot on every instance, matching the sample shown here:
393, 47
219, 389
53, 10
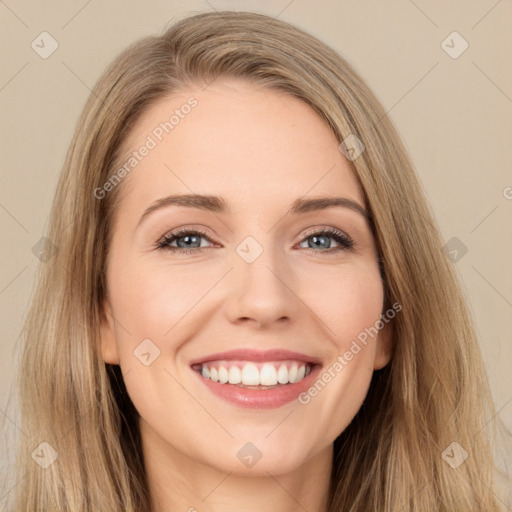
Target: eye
189, 241
320, 239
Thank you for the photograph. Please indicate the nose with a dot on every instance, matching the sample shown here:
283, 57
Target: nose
262, 292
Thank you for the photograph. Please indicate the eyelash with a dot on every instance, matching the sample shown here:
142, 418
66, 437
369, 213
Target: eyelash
346, 243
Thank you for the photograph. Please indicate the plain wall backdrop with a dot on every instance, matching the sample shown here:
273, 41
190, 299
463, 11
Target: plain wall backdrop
452, 106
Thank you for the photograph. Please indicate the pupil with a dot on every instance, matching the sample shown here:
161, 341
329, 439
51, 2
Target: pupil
186, 240
320, 244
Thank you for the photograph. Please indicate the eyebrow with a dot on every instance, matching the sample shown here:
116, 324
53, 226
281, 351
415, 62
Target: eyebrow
218, 204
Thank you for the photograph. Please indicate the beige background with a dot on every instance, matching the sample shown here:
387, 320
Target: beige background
455, 116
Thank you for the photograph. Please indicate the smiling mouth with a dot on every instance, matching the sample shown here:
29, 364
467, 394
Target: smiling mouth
254, 375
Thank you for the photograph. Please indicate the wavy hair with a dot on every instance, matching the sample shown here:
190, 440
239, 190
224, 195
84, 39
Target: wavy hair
434, 392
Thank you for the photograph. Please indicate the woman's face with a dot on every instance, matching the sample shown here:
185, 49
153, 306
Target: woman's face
251, 274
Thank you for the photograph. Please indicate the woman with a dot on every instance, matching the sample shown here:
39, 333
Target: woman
249, 306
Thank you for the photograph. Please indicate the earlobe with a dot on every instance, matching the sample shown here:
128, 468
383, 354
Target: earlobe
108, 344
384, 348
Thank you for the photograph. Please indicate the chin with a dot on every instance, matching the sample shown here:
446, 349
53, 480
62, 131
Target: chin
254, 458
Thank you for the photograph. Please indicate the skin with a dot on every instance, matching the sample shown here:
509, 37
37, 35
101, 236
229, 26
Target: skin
260, 150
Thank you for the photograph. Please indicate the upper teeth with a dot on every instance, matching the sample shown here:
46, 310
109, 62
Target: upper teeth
255, 374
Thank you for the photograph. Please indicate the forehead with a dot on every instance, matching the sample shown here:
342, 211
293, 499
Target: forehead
253, 145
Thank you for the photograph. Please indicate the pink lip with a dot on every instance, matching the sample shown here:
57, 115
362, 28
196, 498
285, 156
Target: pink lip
259, 398
247, 354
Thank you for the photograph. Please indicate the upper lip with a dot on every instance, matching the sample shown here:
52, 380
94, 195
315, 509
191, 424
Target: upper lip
247, 354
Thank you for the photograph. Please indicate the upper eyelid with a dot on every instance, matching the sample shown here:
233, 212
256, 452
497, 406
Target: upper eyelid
206, 232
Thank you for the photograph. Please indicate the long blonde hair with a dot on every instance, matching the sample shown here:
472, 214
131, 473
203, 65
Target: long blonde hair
433, 393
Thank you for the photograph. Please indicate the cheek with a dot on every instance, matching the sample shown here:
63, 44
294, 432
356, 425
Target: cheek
349, 305
150, 300
347, 300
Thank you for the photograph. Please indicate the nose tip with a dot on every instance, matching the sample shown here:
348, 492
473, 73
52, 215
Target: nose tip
260, 290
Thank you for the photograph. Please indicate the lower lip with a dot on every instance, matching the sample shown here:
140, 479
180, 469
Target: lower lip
260, 398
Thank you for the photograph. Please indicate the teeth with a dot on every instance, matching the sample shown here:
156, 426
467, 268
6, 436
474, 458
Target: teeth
255, 374
268, 375
250, 375
223, 375
282, 374
235, 375
292, 373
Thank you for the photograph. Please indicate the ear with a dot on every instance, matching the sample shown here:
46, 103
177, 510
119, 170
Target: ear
108, 340
384, 346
